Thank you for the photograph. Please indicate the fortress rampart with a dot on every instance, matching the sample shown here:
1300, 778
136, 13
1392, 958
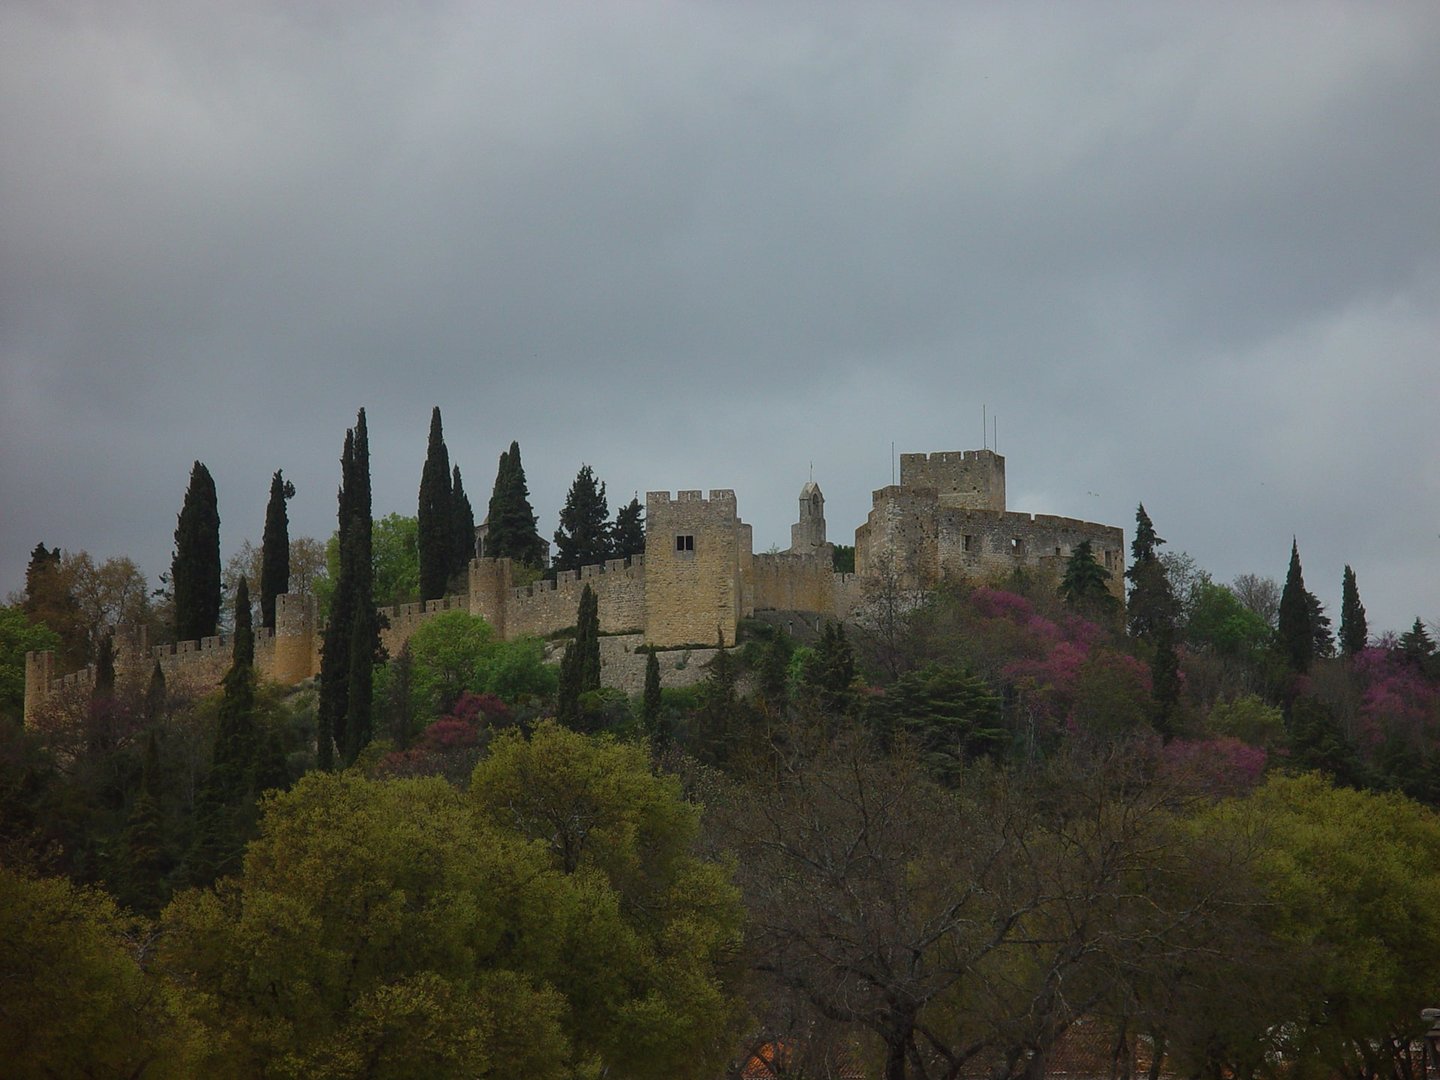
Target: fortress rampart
698, 578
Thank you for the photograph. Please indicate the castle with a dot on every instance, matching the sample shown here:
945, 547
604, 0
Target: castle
699, 577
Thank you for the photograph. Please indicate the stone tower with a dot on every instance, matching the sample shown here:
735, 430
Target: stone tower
807, 535
697, 555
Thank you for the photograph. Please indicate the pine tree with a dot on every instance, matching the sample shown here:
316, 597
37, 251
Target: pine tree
652, 712
462, 524
830, 676
195, 568
580, 665
275, 549
1353, 631
1151, 605
436, 516
1084, 586
1323, 641
512, 532
583, 538
49, 600
1295, 635
1415, 644
143, 886
718, 724
628, 539
1165, 682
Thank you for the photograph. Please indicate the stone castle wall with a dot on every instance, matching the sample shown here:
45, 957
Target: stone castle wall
543, 607
974, 479
793, 582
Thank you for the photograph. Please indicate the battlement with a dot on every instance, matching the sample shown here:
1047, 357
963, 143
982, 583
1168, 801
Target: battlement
719, 497
968, 478
949, 457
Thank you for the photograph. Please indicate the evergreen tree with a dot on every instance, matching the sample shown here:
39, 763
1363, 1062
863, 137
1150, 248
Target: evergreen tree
143, 878
352, 635
1323, 641
512, 532
1353, 631
629, 534
436, 516
1415, 644
195, 568
365, 649
717, 728
1165, 682
583, 538
462, 524
234, 757
104, 687
50, 601
652, 713
335, 650
1295, 635
831, 675
155, 696
275, 549
1152, 608
1084, 586
580, 666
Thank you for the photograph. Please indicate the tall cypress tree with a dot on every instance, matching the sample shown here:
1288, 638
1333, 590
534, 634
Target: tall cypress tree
583, 538
275, 549
652, 718
1354, 633
234, 757
462, 523
195, 568
512, 531
436, 526
335, 651
364, 620
1295, 635
580, 666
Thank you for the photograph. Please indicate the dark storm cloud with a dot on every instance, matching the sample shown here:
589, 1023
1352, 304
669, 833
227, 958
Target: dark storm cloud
1189, 254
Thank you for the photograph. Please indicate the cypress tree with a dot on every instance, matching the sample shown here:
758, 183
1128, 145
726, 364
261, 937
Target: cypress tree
435, 518
629, 536
1353, 631
104, 687
580, 666
512, 531
234, 756
583, 538
651, 705
195, 568
275, 549
335, 650
462, 522
1295, 635
155, 695
364, 620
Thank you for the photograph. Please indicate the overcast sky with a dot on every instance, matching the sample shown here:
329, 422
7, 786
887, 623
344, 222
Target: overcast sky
1186, 254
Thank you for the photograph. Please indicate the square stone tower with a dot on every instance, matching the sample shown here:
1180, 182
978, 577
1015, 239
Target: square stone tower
697, 554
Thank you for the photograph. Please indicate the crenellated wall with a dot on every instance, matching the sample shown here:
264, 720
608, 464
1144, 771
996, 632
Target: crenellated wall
697, 561
543, 607
788, 581
974, 479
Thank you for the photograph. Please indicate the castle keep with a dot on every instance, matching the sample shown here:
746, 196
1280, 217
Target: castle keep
699, 575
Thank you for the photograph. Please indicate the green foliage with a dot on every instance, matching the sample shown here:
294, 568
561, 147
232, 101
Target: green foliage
951, 715
1218, 621
76, 1000
842, 558
19, 635
50, 601
583, 538
1295, 637
394, 928
275, 549
1248, 719
455, 652
195, 568
652, 717
511, 531
436, 515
